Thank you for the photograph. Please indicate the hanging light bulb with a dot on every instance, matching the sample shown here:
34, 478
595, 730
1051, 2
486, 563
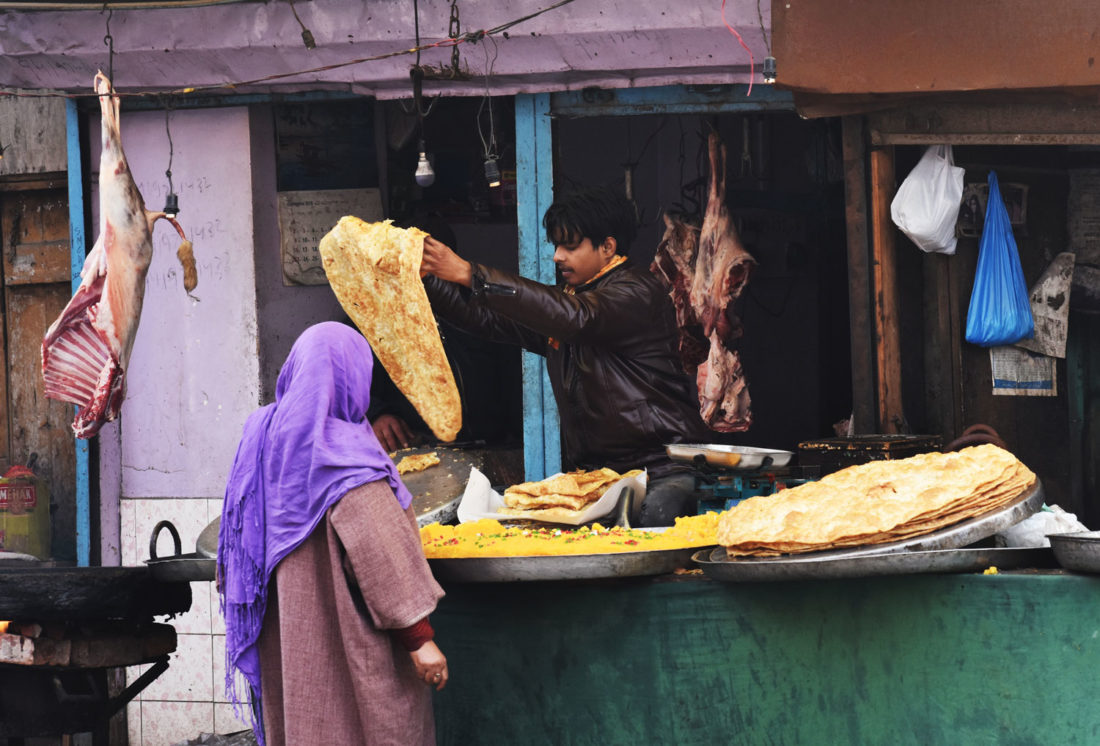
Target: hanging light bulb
492, 172
769, 69
172, 205
425, 174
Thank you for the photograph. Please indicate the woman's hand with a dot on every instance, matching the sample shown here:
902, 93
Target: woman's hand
392, 432
440, 261
431, 665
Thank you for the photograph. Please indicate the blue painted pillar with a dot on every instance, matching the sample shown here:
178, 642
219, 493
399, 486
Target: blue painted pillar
535, 192
77, 251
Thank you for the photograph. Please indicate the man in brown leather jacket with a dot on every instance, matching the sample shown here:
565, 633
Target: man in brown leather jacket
609, 338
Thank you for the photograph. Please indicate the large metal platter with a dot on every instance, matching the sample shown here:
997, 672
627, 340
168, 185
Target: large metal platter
973, 559
561, 567
1078, 551
207, 543
438, 489
957, 536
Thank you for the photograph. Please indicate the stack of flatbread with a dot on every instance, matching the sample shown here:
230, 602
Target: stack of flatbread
374, 270
875, 503
560, 496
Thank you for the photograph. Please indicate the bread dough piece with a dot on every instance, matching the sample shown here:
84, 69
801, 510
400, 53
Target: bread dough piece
374, 270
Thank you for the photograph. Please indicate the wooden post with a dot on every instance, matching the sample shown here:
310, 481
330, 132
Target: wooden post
891, 418
859, 274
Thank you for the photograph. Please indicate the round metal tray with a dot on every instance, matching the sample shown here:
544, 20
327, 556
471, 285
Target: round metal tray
561, 567
1078, 551
962, 534
972, 559
438, 489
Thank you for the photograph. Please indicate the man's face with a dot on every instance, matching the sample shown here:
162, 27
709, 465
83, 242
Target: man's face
580, 261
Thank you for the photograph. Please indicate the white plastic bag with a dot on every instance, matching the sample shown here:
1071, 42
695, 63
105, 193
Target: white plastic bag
1033, 530
926, 206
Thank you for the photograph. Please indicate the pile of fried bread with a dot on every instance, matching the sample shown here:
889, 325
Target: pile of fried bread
876, 503
562, 496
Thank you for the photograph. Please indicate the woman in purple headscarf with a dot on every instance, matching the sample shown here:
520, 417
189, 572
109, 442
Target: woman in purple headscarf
325, 589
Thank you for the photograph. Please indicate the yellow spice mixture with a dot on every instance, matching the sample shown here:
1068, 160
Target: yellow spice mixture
489, 538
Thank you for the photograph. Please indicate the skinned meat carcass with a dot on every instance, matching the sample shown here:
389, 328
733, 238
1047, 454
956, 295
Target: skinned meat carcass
705, 270
674, 265
86, 350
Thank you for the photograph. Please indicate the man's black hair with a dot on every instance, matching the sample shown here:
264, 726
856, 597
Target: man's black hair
594, 213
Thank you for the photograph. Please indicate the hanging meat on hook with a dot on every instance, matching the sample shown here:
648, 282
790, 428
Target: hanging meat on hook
705, 269
86, 350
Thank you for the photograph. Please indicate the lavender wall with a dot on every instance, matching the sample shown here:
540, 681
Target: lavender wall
284, 311
193, 376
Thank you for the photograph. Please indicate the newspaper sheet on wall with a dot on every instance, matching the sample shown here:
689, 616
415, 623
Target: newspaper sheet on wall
304, 219
1019, 372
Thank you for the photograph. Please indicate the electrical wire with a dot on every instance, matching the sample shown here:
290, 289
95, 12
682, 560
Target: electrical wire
470, 36
645, 146
490, 147
763, 33
171, 150
742, 43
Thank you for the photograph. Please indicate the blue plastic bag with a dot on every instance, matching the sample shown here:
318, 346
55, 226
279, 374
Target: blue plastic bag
1000, 310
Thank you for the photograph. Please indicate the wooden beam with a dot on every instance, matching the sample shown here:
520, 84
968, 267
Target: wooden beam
854, 143
891, 418
943, 357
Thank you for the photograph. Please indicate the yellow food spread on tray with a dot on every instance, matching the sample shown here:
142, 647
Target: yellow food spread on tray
490, 538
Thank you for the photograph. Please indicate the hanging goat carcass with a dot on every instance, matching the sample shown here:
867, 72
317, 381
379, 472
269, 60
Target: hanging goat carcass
86, 350
705, 269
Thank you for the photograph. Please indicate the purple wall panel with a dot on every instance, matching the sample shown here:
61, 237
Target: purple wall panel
284, 311
193, 376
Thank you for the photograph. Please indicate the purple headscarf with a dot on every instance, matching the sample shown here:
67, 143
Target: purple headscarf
296, 459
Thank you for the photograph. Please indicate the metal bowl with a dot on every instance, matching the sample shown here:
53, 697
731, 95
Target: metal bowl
1077, 551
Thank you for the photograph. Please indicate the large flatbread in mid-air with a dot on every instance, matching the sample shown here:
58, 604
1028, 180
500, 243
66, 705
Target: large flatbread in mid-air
374, 269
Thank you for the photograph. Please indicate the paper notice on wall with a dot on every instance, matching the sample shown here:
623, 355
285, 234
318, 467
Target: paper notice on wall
1018, 372
1050, 307
305, 218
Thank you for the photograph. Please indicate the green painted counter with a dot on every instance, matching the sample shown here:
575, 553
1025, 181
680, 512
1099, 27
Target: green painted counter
922, 659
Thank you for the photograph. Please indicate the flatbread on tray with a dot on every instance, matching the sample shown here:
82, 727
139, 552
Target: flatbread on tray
560, 497
877, 502
374, 270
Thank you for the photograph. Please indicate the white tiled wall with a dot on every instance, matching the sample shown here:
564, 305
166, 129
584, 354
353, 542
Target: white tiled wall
189, 698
